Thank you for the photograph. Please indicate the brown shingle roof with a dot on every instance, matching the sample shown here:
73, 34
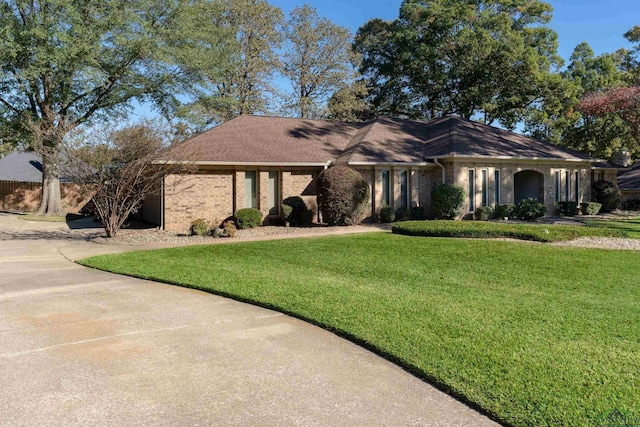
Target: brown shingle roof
259, 139
630, 180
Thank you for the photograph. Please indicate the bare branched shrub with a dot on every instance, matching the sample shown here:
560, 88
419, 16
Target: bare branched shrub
121, 167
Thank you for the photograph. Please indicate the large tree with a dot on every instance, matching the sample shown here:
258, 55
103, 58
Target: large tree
64, 63
244, 84
489, 59
317, 61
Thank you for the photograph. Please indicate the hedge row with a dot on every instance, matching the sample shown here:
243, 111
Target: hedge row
487, 230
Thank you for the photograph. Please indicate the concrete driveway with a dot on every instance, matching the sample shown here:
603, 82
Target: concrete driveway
83, 347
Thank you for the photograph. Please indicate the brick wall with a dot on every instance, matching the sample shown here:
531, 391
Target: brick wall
301, 183
188, 197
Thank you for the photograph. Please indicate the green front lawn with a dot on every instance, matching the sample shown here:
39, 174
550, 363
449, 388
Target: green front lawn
629, 227
532, 334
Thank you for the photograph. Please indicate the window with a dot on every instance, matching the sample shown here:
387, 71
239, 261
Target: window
472, 190
567, 185
250, 189
274, 193
557, 186
386, 188
496, 188
404, 189
577, 185
484, 174
600, 175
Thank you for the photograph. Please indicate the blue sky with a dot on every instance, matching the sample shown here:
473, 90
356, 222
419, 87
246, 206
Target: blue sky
601, 23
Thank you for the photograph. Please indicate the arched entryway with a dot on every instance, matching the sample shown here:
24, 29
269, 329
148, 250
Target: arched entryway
528, 184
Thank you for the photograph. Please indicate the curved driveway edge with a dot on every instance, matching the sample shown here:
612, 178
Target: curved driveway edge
84, 347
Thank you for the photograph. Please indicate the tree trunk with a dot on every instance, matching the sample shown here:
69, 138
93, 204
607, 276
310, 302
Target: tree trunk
51, 204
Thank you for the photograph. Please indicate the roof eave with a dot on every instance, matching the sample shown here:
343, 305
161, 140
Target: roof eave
220, 163
514, 158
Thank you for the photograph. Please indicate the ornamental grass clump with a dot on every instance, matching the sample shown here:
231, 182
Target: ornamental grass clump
343, 195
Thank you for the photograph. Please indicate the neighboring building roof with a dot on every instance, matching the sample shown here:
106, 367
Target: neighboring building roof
23, 167
630, 180
276, 140
602, 164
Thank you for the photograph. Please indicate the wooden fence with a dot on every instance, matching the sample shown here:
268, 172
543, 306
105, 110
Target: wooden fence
26, 196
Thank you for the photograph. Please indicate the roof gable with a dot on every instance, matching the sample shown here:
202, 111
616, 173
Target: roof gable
277, 140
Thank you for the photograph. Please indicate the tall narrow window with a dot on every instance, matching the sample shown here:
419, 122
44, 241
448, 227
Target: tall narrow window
386, 188
577, 185
472, 190
484, 174
601, 176
557, 186
250, 189
274, 192
404, 189
496, 186
567, 185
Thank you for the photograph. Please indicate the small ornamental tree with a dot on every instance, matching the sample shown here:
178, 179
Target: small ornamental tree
447, 200
120, 168
343, 195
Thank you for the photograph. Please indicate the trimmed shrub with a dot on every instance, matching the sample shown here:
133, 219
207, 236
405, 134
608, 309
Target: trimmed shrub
387, 214
483, 213
631, 205
505, 211
590, 208
248, 218
286, 212
229, 229
418, 213
343, 195
530, 209
447, 200
607, 194
300, 213
402, 214
568, 208
199, 227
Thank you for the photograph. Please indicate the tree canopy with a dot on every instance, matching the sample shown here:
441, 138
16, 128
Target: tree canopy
487, 59
64, 63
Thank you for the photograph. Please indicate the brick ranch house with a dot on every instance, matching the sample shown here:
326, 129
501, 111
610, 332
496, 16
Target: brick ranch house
258, 161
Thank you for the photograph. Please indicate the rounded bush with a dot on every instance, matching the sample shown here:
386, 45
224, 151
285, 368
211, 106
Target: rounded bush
387, 214
631, 205
447, 200
300, 213
248, 218
505, 211
590, 208
402, 214
343, 195
607, 194
530, 209
483, 213
199, 227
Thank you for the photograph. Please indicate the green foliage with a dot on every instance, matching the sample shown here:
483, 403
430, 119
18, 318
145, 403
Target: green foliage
530, 209
505, 211
483, 213
387, 215
199, 227
343, 195
248, 218
534, 335
607, 194
492, 230
317, 60
402, 214
300, 215
590, 208
568, 208
286, 212
418, 213
447, 200
631, 205
434, 59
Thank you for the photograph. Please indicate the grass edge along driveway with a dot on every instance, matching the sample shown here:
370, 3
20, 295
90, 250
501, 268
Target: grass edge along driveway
529, 333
